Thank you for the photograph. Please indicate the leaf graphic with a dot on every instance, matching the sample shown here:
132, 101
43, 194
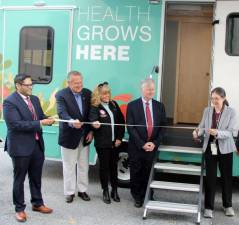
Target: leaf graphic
10, 78
64, 84
123, 97
7, 64
41, 99
52, 101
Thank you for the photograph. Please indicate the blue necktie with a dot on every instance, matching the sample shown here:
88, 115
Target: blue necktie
79, 102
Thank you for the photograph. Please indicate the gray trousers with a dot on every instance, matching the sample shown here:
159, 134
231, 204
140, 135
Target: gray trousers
75, 169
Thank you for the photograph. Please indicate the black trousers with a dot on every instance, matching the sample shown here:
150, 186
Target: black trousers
140, 166
224, 162
31, 165
108, 159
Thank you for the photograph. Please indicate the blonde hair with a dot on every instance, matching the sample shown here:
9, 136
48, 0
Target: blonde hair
98, 92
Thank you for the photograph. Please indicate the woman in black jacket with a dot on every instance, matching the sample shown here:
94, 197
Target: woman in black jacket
107, 137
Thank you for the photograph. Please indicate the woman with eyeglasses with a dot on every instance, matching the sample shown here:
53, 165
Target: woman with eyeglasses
217, 126
104, 114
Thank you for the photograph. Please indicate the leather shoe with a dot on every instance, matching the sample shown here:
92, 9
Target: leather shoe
69, 198
114, 195
21, 216
42, 209
138, 204
106, 197
84, 196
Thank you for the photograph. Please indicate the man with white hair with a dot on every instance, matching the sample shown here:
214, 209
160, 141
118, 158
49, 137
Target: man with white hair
143, 140
73, 103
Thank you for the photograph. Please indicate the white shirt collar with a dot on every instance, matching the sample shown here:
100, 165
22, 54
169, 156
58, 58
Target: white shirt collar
23, 96
144, 101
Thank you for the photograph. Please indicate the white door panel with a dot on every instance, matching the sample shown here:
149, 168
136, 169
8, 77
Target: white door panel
225, 67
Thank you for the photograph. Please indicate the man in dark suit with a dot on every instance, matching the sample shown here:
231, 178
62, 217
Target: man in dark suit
143, 140
73, 103
24, 118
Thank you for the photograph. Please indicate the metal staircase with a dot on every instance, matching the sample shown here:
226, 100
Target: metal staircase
178, 168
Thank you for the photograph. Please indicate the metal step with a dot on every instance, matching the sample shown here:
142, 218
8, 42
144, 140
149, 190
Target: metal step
178, 168
175, 186
180, 149
172, 207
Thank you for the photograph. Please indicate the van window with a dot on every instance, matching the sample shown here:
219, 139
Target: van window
36, 53
232, 35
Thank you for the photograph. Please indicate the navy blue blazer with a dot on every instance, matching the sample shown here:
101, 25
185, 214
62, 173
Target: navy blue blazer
21, 127
67, 108
135, 115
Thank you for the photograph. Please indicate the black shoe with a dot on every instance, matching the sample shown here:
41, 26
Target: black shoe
114, 195
84, 196
106, 197
138, 204
69, 198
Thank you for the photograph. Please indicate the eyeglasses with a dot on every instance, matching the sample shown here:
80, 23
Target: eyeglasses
215, 99
27, 85
102, 84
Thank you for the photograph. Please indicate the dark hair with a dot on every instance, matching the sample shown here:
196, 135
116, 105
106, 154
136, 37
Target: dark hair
222, 93
19, 78
102, 84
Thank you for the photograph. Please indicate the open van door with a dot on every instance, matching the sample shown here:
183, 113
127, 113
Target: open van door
37, 42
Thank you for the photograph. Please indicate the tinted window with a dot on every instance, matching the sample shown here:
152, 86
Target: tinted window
36, 53
232, 40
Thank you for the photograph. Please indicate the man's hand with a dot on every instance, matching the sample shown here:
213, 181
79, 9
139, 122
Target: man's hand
117, 143
77, 124
149, 146
96, 124
47, 122
89, 137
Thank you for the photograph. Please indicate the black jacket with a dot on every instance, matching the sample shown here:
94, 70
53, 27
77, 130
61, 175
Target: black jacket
103, 135
67, 108
135, 115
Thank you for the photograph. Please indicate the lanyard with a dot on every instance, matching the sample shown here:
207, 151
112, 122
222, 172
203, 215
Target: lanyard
217, 120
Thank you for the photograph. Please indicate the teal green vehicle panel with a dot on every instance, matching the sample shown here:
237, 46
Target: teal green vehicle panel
115, 18
59, 20
32, 2
123, 75
134, 26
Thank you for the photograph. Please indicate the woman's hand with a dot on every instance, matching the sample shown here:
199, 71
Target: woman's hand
117, 143
195, 134
213, 132
96, 124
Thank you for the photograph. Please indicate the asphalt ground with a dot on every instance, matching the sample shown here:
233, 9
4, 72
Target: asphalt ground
96, 212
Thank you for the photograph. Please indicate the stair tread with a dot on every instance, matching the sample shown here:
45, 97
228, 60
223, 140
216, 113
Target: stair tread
180, 149
172, 206
177, 167
175, 186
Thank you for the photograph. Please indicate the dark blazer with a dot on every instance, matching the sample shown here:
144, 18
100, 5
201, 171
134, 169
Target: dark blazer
21, 131
103, 135
67, 108
135, 115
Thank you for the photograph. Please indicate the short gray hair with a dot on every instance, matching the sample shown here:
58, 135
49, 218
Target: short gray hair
74, 72
146, 82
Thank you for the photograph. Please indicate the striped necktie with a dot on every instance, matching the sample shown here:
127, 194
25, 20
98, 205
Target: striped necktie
33, 112
149, 120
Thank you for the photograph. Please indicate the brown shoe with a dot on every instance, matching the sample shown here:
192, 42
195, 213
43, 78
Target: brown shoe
21, 216
42, 209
